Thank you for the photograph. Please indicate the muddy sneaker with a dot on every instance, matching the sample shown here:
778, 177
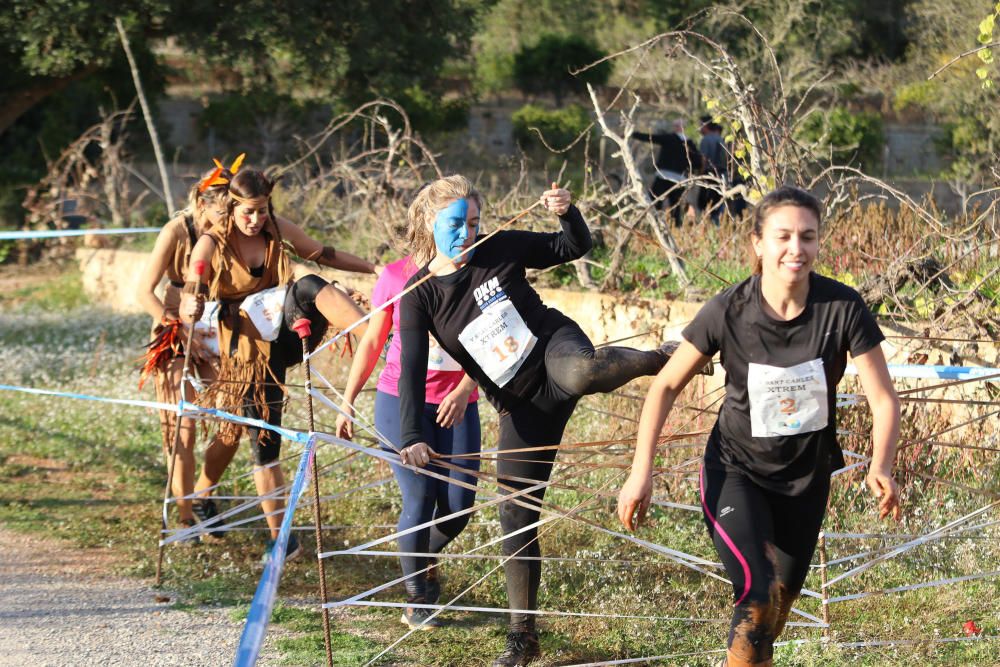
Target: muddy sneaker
668, 348
418, 618
521, 649
433, 585
193, 538
206, 509
294, 549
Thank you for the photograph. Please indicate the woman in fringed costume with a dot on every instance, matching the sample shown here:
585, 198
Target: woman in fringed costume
164, 359
248, 273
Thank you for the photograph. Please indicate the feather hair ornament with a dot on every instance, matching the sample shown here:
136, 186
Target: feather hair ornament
216, 177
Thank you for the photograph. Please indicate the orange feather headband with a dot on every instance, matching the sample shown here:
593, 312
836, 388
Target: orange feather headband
216, 177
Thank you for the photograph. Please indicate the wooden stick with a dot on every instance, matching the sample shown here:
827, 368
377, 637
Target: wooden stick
199, 268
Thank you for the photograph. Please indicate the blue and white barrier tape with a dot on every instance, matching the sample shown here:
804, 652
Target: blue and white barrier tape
935, 372
184, 408
59, 233
267, 589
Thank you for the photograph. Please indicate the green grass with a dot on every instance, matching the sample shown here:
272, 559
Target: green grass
93, 475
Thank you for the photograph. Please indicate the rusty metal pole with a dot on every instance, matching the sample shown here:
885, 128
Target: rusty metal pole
302, 327
823, 591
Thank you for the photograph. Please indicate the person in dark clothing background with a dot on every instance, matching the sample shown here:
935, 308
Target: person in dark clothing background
676, 159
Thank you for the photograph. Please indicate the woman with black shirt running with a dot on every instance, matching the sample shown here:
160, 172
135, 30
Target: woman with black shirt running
783, 335
533, 362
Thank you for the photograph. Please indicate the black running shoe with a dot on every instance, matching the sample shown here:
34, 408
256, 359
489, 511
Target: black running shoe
293, 551
418, 618
521, 649
206, 509
433, 585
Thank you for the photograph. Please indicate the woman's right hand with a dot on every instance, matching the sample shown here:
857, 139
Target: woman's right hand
634, 500
418, 454
345, 427
191, 308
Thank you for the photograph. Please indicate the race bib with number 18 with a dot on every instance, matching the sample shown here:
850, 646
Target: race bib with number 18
498, 340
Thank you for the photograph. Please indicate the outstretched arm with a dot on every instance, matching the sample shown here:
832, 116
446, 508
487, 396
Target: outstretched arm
539, 251
884, 404
637, 492
310, 249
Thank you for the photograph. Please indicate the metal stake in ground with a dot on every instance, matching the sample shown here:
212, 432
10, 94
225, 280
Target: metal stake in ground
823, 589
199, 268
303, 327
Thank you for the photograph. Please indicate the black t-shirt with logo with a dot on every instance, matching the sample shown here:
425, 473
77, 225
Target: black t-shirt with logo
778, 421
487, 317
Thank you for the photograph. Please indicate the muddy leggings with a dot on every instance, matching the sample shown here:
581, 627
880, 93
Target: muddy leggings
300, 301
573, 369
766, 541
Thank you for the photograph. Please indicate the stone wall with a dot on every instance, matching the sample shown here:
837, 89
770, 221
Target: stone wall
110, 276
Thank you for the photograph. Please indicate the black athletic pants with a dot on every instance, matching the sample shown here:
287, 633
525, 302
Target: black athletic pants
766, 542
573, 369
286, 350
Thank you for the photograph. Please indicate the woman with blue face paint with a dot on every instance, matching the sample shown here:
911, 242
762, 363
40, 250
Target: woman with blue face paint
533, 362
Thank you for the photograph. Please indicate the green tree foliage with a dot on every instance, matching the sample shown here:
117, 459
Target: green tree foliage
547, 66
319, 49
845, 136
956, 97
558, 127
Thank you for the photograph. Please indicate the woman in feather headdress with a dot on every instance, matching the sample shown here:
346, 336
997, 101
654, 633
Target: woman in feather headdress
164, 359
249, 274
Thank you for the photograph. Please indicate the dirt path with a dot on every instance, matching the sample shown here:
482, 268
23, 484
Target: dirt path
64, 606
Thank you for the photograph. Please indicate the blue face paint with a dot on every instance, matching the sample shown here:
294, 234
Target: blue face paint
451, 230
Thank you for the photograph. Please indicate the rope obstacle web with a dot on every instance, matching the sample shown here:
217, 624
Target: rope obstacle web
576, 460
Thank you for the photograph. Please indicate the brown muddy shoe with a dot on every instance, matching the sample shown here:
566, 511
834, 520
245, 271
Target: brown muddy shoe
668, 348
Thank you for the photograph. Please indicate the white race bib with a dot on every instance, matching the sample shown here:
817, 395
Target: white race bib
265, 311
209, 325
498, 340
787, 401
438, 359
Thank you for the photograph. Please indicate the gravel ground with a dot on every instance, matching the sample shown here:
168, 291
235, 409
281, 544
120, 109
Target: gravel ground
64, 606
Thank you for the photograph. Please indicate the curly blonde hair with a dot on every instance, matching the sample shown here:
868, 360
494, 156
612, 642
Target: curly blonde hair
425, 206
214, 194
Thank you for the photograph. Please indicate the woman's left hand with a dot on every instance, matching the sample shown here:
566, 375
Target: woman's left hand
451, 411
556, 200
884, 487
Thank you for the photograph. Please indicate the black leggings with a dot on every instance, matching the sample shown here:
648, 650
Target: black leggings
286, 350
766, 541
573, 369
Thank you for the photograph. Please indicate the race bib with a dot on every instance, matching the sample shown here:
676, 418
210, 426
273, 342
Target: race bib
498, 340
209, 326
787, 401
438, 359
265, 311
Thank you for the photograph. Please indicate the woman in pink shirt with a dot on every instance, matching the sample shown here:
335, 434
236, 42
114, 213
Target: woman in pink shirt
450, 424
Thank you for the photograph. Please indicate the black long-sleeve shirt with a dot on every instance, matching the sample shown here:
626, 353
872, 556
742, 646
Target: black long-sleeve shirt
487, 317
